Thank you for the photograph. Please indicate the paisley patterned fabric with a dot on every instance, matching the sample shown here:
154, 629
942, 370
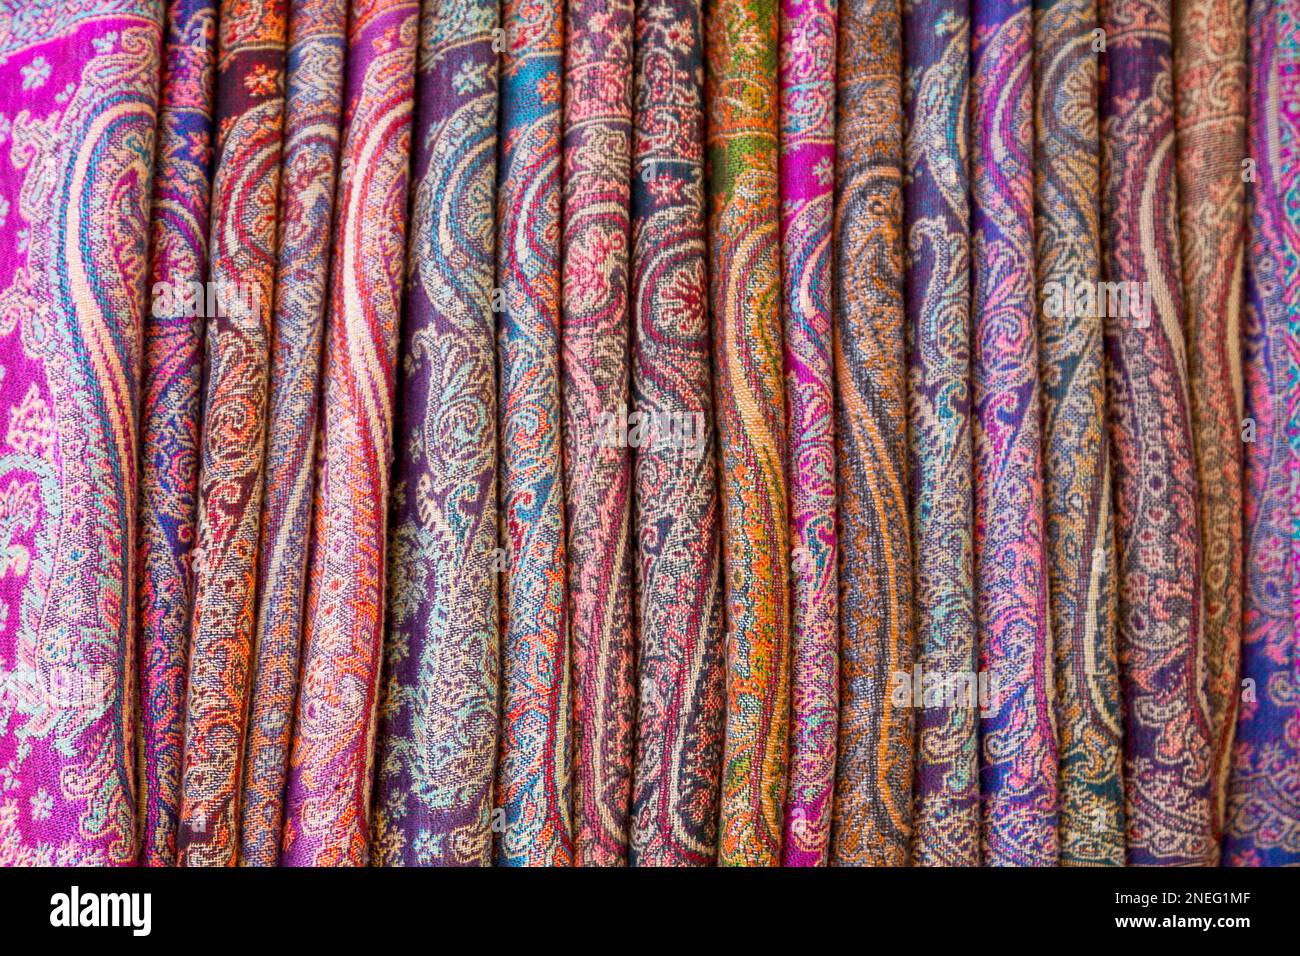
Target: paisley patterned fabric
1078, 520
78, 112
312, 108
807, 165
872, 823
327, 793
169, 413
1210, 86
597, 476
681, 654
437, 748
242, 253
885, 510
534, 768
1167, 745
1262, 826
936, 184
745, 293
1018, 765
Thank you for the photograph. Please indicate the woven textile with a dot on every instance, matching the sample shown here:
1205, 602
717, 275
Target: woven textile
1262, 826
534, 769
312, 107
681, 433
242, 252
807, 166
681, 692
597, 477
327, 794
1167, 748
1211, 86
745, 293
1079, 522
936, 184
78, 106
438, 739
1018, 766
169, 412
872, 822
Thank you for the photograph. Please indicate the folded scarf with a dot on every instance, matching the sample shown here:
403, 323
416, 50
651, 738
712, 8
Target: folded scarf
597, 477
873, 779
241, 272
745, 293
1079, 522
307, 181
1262, 826
327, 793
807, 164
438, 739
79, 93
1167, 750
1018, 767
1210, 84
169, 414
534, 765
935, 36
681, 654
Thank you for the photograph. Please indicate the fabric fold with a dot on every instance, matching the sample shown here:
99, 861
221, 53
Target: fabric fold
1210, 84
317, 33
438, 737
1167, 748
79, 102
249, 115
331, 763
1018, 754
745, 293
534, 764
872, 822
597, 478
807, 184
169, 412
681, 696
936, 38
1078, 513
1262, 825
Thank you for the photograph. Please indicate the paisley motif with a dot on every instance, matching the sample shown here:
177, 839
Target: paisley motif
331, 762
807, 169
79, 99
872, 823
313, 103
1018, 756
745, 294
169, 414
1167, 745
597, 477
681, 691
438, 738
534, 768
1078, 517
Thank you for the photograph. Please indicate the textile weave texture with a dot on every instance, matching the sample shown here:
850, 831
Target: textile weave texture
680, 705
438, 738
745, 295
1167, 741
666, 433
